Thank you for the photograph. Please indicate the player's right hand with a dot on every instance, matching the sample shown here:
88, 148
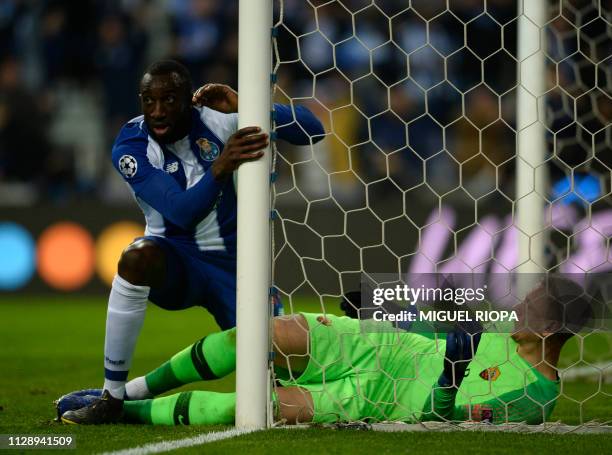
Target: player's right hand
246, 144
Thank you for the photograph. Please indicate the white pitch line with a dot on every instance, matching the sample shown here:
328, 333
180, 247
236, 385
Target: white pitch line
166, 446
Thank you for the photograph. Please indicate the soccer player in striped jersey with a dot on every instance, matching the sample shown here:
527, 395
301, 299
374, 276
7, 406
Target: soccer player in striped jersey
179, 158
333, 369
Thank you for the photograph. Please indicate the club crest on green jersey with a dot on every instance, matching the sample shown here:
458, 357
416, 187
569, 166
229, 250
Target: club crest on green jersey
490, 374
209, 151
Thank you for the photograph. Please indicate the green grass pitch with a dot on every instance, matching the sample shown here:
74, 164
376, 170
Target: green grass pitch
50, 346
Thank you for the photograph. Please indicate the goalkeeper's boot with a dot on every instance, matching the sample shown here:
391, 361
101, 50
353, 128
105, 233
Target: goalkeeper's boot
76, 400
105, 409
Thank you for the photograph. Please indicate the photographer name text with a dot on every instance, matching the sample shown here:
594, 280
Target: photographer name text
446, 316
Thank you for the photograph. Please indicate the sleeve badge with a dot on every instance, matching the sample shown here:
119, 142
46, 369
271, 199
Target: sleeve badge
128, 166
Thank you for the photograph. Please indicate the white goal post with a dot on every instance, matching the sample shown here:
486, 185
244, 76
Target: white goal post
531, 172
253, 250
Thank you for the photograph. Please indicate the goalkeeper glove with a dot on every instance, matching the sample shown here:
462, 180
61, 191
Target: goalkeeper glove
461, 346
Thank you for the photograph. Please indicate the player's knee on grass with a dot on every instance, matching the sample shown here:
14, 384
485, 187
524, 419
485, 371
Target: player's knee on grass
295, 405
291, 339
143, 263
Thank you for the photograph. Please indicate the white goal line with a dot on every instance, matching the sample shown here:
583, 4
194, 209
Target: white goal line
555, 428
167, 446
395, 427
204, 438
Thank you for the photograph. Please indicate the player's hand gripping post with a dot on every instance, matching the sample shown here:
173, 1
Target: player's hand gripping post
246, 144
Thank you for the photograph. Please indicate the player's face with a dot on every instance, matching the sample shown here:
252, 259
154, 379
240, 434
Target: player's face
165, 106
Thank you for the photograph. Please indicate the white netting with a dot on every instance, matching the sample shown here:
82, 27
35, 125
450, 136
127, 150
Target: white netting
417, 170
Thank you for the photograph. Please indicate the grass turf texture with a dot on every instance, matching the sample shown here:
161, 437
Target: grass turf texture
50, 346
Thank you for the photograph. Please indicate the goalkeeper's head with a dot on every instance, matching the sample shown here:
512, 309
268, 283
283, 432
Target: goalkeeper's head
556, 309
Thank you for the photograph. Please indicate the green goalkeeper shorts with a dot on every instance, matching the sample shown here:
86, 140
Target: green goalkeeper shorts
356, 368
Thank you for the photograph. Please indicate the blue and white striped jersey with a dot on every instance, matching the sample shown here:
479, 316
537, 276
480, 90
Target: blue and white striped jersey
180, 199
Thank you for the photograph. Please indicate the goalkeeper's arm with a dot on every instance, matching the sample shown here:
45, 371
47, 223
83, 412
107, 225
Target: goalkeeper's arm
526, 404
461, 346
515, 406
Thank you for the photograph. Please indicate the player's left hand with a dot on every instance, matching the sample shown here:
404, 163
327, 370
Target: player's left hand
219, 97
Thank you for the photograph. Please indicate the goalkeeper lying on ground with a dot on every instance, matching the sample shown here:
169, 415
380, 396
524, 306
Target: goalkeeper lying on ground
333, 369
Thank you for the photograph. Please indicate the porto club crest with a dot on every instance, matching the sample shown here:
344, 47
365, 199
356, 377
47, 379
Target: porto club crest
209, 151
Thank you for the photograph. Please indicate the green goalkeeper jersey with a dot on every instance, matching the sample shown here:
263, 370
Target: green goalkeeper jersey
500, 386
358, 371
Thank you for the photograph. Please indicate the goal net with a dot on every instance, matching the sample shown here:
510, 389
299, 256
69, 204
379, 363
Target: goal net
464, 138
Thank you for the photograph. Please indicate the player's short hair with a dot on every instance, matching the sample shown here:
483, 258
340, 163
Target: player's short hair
164, 67
568, 305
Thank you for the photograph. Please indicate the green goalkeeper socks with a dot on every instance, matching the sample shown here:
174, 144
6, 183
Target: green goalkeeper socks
210, 358
187, 408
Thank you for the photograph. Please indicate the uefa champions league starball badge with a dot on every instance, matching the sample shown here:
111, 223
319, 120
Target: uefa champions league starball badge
128, 166
209, 151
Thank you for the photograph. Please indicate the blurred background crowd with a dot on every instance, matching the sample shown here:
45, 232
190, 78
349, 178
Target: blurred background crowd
418, 98
406, 91
69, 75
